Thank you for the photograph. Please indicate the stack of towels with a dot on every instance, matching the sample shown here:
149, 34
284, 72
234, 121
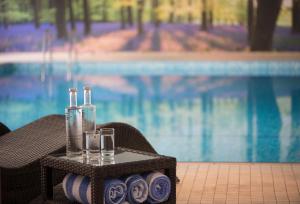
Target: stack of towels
153, 187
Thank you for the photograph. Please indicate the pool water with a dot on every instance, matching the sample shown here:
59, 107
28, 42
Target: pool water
195, 111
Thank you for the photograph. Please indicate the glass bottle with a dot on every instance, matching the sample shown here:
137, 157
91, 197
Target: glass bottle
73, 115
88, 117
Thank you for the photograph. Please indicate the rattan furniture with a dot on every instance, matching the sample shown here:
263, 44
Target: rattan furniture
22, 149
127, 162
3, 129
129, 137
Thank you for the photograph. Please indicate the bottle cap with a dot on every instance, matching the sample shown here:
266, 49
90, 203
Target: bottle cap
87, 88
72, 90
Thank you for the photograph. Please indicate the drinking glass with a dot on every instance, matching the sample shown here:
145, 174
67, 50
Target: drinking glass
107, 144
93, 144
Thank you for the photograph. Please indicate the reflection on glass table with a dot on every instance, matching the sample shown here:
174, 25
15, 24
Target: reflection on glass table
121, 156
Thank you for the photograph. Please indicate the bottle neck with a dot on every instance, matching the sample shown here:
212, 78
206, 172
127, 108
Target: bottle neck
87, 97
73, 99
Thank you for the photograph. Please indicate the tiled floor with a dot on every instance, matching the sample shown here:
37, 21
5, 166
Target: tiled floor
241, 183
37, 57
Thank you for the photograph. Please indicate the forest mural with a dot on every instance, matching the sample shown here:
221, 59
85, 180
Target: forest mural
150, 25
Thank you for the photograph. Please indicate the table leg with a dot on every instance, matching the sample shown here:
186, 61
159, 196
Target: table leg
47, 183
97, 190
1, 188
171, 173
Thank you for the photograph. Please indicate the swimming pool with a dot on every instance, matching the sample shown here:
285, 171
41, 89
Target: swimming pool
196, 111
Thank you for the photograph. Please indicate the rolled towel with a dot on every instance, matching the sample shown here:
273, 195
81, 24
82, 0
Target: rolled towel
114, 191
159, 187
137, 189
77, 188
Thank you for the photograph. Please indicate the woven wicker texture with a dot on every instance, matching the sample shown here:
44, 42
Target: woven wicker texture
129, 137
20, 151
35, 140
3, 129
98, 174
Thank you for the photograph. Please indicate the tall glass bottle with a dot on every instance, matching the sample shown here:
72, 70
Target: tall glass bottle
73, 115
89, 116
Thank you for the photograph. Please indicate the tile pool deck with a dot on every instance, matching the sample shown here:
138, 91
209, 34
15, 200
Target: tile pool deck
37, 57
241, 183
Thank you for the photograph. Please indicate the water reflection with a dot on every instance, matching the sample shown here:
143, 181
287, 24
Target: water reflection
249, 115
195, 118
294, 147
155, 102
268, 118
207, 125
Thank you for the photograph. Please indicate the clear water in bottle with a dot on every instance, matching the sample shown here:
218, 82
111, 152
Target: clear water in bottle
88, 117
73, 115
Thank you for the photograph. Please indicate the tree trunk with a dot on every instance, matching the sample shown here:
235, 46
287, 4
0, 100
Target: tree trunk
60, 18
204, 15
296, 16
250, 18
104, 11
140, 17
171, 17
152, 17
86, 16
211, 14
122, 17
51, 4
156, 20
36, 6
23, 7
3, 11
71, 13
211, 18
129, 15
190, 15
265, 22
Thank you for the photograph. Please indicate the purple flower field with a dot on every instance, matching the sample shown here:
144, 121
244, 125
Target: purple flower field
168, 37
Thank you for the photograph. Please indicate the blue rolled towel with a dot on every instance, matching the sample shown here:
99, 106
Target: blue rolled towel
137, 189
77, 188
159, 187
114, 191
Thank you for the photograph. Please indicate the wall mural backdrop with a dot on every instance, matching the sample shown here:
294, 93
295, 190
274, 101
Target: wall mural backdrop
149, 25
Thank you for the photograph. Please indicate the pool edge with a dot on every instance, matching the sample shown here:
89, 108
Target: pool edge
25, 57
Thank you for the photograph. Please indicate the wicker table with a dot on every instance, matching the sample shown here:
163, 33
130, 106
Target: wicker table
127, 161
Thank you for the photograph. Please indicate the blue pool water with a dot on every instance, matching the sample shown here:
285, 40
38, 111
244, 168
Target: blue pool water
195, 111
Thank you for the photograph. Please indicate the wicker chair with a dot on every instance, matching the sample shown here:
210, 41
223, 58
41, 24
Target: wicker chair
20, 151
129, 137
3, 129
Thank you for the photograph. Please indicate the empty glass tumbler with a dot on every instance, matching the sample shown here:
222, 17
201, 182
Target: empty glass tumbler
107, 144
93, 144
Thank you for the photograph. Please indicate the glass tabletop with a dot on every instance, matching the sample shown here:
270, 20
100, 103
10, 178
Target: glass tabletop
121, 156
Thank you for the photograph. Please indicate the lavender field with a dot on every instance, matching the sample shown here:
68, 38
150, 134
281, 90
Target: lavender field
108, 37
